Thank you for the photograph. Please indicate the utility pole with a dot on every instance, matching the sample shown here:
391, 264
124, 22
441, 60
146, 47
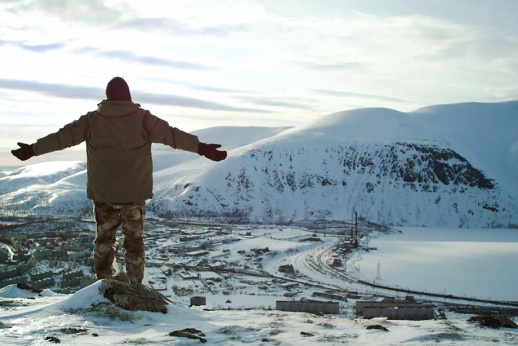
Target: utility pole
378, 274
356, 229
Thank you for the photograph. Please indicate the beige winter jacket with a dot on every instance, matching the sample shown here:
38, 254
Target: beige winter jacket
118, 147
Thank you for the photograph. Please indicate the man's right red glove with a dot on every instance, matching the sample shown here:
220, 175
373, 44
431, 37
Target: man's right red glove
23, 153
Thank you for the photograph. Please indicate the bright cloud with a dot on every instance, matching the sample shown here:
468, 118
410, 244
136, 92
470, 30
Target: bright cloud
243, 62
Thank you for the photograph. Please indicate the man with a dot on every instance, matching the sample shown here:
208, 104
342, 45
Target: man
118, 139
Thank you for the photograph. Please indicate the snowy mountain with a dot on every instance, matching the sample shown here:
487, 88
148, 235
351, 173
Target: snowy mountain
449, 165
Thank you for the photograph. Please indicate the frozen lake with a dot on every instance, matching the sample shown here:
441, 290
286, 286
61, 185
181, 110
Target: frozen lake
481, 263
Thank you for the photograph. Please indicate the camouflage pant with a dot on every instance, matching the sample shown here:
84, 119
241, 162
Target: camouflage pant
108, 218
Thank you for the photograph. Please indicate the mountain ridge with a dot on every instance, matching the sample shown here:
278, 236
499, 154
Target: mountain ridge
429, 167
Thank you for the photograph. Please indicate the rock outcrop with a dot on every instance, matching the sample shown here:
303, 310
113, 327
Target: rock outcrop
133, 297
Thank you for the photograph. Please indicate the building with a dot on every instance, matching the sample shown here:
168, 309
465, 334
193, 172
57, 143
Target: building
308, 306
198, 253
287, 268
210, 276
48, 282
395, 309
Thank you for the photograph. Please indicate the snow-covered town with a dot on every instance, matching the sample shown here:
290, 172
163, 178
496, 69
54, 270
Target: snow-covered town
259, 172
304, 272
268, 263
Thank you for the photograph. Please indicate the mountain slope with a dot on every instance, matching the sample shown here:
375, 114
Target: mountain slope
404, 183
391, 167
449, 165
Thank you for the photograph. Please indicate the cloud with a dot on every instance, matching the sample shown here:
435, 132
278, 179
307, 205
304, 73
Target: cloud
50, 89
197, 86
374, 44
74, 11
276, 102
416, 37
37, 48
249, 46
179, 27
213, 89
126, 16
85, 92
128, 56
323, 67
360, 95
182, 101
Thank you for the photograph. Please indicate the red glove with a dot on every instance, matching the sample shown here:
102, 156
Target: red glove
210, 151
25, 151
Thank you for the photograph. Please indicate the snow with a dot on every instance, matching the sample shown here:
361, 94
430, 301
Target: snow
230, 327
469, 261
39, 175
462, 262
46, 168
12, 291
85, 298
247, 315
361, 160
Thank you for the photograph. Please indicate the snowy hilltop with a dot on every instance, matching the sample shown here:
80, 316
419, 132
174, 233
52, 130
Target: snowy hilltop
88, 318
448, 166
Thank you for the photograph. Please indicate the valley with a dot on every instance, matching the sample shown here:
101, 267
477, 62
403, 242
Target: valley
236, 266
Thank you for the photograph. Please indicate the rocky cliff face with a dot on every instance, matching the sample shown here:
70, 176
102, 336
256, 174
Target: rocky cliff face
403, 183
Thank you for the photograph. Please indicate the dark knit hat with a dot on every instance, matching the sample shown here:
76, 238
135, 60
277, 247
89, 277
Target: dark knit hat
118, 90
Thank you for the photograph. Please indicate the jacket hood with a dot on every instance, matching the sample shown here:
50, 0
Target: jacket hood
117, 108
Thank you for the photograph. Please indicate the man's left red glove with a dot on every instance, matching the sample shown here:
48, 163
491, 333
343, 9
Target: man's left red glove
210, 151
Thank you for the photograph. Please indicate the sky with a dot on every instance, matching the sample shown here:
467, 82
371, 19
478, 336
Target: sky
200, 64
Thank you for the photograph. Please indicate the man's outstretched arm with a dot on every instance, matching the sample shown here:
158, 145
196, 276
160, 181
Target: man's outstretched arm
70, 135
159, 131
